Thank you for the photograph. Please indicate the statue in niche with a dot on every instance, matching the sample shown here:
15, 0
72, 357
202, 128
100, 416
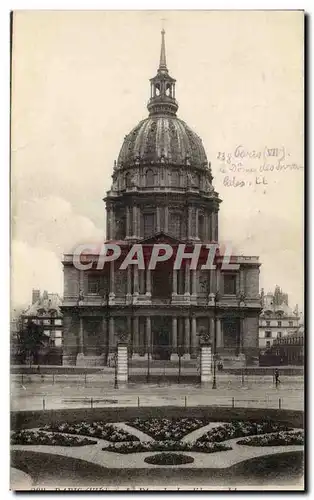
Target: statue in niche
204, 335
208, 185
114, 186
122, 335
203, 280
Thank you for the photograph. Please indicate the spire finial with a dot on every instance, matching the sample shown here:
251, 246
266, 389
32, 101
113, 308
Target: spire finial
162, 62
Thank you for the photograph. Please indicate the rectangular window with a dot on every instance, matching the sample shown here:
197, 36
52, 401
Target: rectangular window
279, 323
58, 322
290, 323
279, 335
149, 225
267, 323
93, 284
267, 334
58, 342
268, 343
229, 284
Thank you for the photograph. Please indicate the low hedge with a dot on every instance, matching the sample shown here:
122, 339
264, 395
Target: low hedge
143, 446
241, 429
275, 439
100, 429
48, 438
165, 429
169, 459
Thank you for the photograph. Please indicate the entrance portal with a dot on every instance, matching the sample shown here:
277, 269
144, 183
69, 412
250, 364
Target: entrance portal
161, 334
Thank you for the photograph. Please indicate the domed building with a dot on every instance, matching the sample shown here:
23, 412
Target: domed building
161, 192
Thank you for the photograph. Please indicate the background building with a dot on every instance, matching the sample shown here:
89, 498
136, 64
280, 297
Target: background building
161, 192
45, 310
277, 319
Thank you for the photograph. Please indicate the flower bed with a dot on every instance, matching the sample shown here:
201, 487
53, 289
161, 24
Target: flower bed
171, 445
100, 429
169, 459
163, 429
240, 429
48, 438
275, 439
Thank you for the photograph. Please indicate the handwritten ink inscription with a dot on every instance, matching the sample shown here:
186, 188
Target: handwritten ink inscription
254, 166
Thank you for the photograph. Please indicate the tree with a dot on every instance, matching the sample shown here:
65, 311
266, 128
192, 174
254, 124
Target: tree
30, 338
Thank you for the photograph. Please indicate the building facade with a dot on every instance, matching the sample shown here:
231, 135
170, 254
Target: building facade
161, 192
45, 310
277, 319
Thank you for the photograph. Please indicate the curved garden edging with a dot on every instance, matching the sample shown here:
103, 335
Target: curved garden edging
34, 463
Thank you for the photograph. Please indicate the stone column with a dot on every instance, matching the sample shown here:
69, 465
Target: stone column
219, 334
174, 282
187, 279
135, 235
242, 290
212, 332
189, 223
148, 283
187, 338
136, 335
111, 335
135, 281
122, 368
128, 222
112, 224
212, 226
81, 284
209, 226
158, 219
206, 363
139, 222
148, 334
166, 219
81, 337
174, 353
129, 327
193, 338
206, 237
196, 224
129, 284
112, 281
216, 227
213, 280
194, 291
105, 337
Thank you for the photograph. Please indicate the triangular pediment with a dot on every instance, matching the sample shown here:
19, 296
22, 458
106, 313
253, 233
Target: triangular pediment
160, 237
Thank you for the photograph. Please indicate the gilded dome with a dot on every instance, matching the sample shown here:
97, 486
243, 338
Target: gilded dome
162, 138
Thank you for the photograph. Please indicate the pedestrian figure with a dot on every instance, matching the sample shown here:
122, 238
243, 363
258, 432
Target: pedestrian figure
38, 368
277, 381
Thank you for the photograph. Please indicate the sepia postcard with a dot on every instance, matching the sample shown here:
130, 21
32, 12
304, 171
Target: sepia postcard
157, 291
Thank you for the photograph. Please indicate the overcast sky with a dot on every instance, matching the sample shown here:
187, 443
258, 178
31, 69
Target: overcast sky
80, 84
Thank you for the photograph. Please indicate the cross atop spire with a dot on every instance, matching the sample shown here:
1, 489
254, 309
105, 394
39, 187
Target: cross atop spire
162, 62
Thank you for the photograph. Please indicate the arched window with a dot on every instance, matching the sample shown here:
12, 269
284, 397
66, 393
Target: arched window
150, 178
168, 90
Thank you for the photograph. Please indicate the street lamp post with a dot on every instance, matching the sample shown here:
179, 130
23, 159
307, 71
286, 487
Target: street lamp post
116, 386
241, 301
216, 299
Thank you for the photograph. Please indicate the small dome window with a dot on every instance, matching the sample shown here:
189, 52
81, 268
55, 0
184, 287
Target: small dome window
150, 178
